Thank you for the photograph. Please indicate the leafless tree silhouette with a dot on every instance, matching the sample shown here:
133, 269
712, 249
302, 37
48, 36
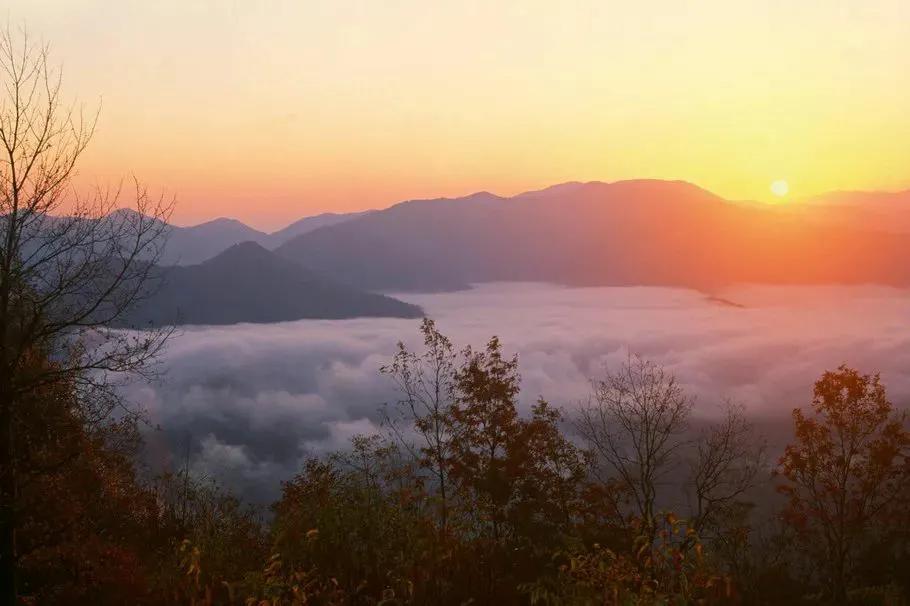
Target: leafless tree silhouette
727, 462
635, 424
427, 384
70, 265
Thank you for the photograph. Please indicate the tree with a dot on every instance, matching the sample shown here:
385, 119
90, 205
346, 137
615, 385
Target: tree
486, 426
552, 471
728, 459
427, 385
347, 519
82, 516
517, 479
69, 267
847, 475
634, 425
212, 541
508, 486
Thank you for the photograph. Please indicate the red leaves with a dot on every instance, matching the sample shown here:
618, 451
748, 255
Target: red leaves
848, 469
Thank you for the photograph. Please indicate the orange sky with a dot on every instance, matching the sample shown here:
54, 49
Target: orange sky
271, 110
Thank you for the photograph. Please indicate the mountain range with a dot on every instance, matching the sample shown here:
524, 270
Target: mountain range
198, 243
640, 232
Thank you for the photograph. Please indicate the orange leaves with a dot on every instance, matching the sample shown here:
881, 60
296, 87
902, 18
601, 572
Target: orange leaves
190, 561
847, 470
669, 571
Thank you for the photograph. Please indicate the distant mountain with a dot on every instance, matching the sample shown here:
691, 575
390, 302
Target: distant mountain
197, 243
869, 199
247, 283
308, 224
624, 233
413, 246
884, 211
194, 244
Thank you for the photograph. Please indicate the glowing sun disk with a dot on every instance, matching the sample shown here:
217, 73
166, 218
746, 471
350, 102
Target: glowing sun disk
780, 188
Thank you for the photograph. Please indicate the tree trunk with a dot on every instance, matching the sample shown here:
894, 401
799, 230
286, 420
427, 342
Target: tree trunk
8, 580
838, 581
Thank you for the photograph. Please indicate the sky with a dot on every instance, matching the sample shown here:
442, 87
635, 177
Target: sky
255, 400
268, 111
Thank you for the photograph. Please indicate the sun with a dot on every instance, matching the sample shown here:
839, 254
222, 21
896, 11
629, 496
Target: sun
780, 188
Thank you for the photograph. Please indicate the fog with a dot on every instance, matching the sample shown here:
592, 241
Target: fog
250, 402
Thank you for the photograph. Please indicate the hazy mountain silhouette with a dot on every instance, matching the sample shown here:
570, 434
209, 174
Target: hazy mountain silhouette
883, 211
308, 224
194, 244
197, 243
625, 233
247, 283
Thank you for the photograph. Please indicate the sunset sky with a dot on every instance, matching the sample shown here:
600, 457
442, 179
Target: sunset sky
271, 110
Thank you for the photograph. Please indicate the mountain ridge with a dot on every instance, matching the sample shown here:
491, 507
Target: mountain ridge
627, 232
248, 283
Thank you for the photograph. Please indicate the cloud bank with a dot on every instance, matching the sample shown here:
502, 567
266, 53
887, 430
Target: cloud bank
252, 401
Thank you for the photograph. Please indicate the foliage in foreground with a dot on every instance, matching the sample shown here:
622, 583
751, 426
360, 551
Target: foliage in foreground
464, 500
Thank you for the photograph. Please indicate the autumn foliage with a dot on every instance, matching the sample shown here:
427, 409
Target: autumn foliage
847, 474
463, 498
470, 495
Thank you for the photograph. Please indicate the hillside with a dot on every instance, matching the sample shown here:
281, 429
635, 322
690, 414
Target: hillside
247, 283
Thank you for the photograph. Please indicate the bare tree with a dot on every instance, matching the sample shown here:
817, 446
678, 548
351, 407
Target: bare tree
427, 384
726, 464
634, 424
70, 267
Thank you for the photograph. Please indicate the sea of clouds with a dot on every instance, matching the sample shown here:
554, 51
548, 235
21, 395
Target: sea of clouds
250, 402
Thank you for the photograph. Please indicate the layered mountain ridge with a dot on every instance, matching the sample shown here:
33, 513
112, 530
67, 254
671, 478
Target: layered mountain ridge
248, 283
643, 232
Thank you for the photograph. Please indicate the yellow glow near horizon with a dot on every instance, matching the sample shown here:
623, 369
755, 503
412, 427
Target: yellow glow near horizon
268, 111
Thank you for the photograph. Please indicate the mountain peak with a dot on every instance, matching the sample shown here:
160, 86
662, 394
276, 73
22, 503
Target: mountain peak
559, 188
308, 224
659, 185
630, 186
242, 250
126, 214
245, 256
225, 222
480, 195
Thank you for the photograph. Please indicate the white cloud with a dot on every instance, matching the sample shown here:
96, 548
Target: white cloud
277, 392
